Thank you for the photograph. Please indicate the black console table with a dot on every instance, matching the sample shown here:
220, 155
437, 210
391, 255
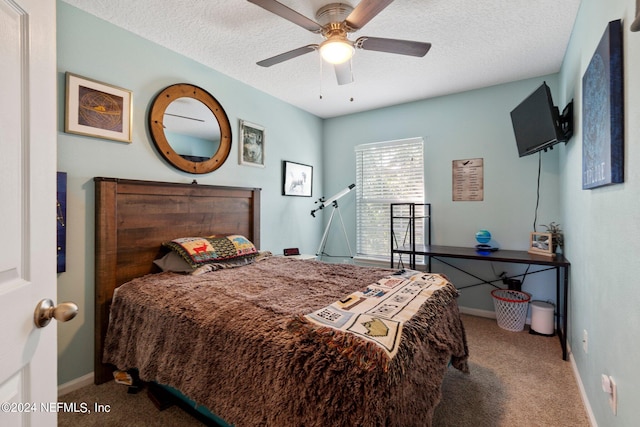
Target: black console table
559, 263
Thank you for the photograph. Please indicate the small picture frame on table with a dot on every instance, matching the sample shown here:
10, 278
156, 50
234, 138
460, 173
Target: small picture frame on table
297, 179
97, 109
541, 244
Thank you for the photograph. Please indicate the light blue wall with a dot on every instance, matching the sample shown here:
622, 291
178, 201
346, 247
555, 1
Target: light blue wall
462, 126
603, 230
95, 49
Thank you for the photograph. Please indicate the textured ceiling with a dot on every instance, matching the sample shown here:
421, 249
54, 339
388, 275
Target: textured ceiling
475, 43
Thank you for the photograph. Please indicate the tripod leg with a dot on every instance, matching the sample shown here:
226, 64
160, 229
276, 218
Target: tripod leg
344, 230
323, 242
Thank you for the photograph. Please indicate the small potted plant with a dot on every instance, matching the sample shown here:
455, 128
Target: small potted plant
556, 234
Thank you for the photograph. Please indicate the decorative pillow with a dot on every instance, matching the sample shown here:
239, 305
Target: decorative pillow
242, 244
197, 251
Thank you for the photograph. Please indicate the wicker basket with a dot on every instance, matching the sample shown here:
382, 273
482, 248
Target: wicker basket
511, 308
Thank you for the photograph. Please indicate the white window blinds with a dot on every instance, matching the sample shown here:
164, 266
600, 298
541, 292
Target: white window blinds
386, 172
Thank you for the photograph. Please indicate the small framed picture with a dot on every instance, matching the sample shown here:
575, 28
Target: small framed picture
97, 109
541, 244
296, 179
251, 147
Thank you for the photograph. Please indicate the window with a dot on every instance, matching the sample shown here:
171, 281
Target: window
386, 172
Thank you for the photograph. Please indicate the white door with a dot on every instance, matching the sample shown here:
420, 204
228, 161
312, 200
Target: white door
28, 367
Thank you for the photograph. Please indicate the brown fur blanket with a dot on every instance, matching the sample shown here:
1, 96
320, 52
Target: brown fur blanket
225, 339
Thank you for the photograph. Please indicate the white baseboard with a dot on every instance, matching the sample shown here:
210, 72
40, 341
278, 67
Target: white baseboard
583, 393
74, 385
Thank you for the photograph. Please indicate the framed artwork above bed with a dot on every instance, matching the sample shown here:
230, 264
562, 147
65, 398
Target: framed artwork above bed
97, 109
251, 147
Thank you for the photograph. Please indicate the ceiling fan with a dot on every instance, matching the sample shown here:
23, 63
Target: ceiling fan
335, 22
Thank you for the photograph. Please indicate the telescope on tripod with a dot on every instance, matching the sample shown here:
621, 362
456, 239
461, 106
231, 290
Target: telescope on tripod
333, 202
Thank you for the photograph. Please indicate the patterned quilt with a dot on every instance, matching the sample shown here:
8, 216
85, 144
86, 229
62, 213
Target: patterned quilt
378, 313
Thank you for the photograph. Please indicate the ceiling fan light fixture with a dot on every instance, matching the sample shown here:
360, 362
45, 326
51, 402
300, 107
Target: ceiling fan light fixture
336, 50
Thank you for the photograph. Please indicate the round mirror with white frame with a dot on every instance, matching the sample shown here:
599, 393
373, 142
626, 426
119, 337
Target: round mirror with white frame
190, 128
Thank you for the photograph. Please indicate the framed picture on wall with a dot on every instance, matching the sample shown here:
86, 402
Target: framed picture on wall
602, 112
541, 244
97, 109
251, 147
296, 179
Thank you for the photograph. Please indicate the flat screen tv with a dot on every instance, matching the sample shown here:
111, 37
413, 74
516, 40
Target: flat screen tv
537, 124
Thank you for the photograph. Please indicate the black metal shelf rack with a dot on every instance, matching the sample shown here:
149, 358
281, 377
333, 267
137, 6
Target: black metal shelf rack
405, 218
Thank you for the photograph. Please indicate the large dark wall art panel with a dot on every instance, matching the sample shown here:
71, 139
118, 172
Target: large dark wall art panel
602, 113
61, 218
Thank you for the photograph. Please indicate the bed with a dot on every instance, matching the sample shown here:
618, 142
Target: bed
252, 343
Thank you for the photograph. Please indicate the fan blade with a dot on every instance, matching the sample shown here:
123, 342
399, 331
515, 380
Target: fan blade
288, 14
402, 47
287, 55
343, 73
364, 12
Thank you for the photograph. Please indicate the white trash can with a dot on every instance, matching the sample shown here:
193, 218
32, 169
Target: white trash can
542, 318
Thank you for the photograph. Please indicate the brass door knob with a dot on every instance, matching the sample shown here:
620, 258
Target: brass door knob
45, 311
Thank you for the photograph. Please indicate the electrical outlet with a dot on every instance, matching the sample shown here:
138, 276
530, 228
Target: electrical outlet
585, 341
613, 398
609, 386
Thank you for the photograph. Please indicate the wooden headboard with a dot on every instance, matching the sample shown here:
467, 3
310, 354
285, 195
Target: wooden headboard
133, 218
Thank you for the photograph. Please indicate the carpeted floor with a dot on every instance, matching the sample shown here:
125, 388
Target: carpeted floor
516, 379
